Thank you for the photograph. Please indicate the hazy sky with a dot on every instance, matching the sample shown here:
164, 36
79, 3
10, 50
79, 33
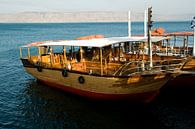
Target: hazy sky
159, 6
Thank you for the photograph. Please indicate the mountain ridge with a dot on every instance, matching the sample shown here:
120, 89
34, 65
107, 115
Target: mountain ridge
93, 16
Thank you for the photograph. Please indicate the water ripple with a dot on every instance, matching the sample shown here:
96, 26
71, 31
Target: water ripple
26, 104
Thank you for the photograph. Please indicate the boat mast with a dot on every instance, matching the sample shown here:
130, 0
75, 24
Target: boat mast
145, 23
149, 35
129, 23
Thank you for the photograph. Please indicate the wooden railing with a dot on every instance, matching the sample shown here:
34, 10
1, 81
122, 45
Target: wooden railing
131, 65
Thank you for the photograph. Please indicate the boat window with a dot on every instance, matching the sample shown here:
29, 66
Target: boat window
34, 51
73, 53
57, 49
24, 52
88, 52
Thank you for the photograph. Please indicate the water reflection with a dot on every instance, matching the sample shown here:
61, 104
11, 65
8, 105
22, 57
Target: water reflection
45, 107
26, 104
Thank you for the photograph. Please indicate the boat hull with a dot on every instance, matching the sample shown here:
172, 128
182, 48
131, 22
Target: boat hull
183, 81
137, 88
137, 97
186, 78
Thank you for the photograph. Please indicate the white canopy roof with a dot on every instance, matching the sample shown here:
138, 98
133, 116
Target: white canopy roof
93, 42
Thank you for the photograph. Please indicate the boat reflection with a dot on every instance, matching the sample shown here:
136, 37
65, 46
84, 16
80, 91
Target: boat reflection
46, 107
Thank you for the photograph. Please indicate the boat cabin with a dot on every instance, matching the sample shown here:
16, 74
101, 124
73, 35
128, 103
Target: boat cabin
116, 56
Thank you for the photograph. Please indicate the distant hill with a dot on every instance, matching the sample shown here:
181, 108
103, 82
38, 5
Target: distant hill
55, 17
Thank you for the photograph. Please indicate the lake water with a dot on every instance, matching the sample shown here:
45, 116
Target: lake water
26, 104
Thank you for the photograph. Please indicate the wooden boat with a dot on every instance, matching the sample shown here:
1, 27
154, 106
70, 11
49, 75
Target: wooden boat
94, 68
160, 55
186, 75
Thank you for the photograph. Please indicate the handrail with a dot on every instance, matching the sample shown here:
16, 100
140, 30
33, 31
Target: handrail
121, 68
165, 67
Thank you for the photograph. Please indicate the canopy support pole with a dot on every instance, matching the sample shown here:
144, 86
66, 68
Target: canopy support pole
81, 53
101, 62
39, 58
28, 53
20, 52
194, 43
65, 58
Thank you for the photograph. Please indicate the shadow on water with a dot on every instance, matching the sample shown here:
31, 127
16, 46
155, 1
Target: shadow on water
40, 106
175, 107
180, 95
45, 107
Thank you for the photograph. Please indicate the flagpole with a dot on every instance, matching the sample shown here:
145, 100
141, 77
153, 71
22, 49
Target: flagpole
129, 23
193, 27
145, 23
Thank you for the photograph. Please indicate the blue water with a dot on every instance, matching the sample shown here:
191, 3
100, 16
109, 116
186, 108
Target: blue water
26, 104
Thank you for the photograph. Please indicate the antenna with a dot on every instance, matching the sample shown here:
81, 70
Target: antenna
129, 23
145, 23
149, 35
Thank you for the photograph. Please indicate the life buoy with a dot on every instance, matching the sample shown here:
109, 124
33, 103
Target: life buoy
64, 73
39, 69
81, 79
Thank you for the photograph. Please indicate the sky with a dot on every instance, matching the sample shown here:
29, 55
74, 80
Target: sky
177, 7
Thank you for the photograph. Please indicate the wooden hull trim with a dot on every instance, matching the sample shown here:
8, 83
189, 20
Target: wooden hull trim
145, 97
